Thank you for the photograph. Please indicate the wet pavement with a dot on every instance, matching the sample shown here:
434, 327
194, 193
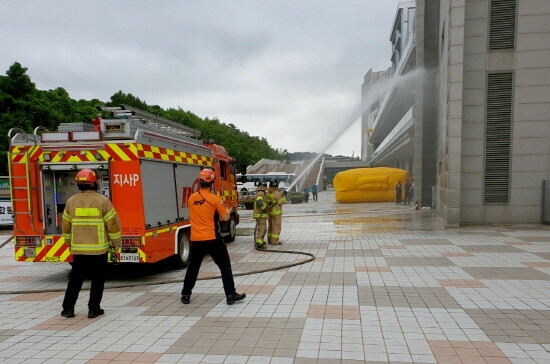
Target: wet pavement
388, 284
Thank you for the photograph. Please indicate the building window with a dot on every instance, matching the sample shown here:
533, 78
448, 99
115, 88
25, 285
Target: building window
502, 26
498, 126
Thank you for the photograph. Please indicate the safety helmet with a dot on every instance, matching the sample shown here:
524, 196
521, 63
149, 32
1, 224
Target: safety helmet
274, 183
86, 177
207, 175
262, 186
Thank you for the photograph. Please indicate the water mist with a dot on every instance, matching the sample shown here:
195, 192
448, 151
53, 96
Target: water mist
374, 94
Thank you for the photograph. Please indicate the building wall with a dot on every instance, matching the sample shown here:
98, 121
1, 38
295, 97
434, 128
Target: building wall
530, 143
531, 127
392, 136
449, 109
392, 96
427, 58
418, 170
369, 108
451, 112
474, 94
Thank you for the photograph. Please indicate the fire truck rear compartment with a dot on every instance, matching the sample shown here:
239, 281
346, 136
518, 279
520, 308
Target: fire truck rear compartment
57, 186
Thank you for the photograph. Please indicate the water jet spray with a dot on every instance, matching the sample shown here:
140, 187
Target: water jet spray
374, 94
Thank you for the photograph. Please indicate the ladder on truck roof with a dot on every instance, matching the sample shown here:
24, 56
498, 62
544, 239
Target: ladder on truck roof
150, 121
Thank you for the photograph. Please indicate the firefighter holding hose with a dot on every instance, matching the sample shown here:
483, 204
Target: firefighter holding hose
206, 210
275, 212
261, 205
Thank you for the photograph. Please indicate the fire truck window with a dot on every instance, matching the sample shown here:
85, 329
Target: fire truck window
223, 170
232, 171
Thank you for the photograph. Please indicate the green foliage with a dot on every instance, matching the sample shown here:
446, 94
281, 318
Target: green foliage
18, 84
239, 144
120, 98
25, 107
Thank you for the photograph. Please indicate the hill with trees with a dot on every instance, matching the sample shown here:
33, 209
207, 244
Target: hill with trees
23, 106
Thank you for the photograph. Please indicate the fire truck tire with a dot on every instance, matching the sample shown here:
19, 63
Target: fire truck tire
232, 230
181, 259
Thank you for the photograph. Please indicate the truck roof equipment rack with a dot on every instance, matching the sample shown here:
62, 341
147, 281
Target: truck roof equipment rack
150, 121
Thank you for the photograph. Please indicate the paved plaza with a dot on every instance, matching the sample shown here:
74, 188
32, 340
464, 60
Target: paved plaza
388, 284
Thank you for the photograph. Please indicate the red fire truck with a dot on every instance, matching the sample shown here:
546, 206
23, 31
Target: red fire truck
147, 166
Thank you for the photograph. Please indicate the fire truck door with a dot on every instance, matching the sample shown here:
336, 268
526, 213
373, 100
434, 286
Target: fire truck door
186, 175
58, 186
159, 193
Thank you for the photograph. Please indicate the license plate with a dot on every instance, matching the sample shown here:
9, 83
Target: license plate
129, 257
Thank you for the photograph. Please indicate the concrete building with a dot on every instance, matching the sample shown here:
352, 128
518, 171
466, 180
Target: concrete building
481, 128
370, 104
388, 101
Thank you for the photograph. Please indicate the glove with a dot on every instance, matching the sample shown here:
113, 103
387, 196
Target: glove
284, 193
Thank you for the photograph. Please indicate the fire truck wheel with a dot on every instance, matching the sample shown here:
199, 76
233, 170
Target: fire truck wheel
181, 259
232, 231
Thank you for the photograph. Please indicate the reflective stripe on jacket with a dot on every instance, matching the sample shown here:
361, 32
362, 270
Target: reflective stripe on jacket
277, 200
260, 205
89, 223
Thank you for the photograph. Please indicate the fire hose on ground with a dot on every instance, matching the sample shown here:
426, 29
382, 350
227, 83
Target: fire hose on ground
169, 281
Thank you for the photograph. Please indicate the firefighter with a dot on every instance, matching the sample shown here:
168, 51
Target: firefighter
206, 209
261, 205
275, 212
89, 223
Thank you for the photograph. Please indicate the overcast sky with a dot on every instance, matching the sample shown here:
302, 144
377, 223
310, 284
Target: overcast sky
287, 70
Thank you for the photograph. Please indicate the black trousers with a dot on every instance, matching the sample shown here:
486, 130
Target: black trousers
217, 250
86, 266
398, 199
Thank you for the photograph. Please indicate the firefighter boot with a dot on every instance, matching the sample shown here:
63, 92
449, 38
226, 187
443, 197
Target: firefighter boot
95, 313
234, 297
185, 299
261, 246
67, 313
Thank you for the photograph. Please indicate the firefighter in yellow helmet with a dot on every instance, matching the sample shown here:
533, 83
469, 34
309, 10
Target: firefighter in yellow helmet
275, 212
90, 222
261, 204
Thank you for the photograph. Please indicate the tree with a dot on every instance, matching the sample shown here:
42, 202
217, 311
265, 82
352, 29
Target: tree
25, 107
120, 98
17, 84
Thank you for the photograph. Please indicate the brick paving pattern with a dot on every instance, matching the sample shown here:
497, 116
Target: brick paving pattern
388, 285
